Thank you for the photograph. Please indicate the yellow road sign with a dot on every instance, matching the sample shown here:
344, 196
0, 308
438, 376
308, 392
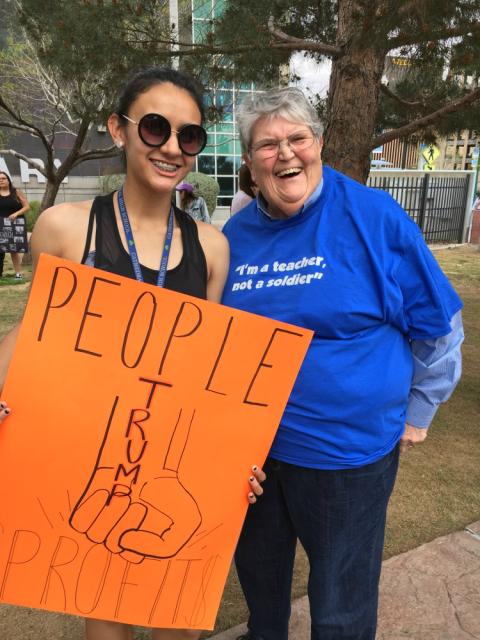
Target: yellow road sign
430, 154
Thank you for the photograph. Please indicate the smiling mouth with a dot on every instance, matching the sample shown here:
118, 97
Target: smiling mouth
165, 166
291, 172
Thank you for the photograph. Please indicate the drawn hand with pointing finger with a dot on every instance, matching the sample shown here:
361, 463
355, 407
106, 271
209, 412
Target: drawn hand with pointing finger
136, 507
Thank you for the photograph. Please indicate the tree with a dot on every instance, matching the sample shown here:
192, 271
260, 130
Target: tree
251, 40
440, 40
33, 102
437, 37
59, 78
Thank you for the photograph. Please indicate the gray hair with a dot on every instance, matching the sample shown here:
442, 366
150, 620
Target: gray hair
289, 103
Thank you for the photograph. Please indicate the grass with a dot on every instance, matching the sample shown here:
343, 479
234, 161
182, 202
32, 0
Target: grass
13, 296
437, 487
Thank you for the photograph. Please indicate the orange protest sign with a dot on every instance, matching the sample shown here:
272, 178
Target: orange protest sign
137, 413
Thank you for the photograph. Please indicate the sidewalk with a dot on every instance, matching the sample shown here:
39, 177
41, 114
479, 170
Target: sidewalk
430, 593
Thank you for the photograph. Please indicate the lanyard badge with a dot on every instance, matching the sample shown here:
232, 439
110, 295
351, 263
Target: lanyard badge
132, 250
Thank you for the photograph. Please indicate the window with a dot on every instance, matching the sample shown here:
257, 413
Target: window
226, 165
206, 164
202, 9
227, 186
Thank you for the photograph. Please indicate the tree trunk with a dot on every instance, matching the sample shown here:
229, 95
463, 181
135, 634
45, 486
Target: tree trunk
55, 176
51, 190
353, 96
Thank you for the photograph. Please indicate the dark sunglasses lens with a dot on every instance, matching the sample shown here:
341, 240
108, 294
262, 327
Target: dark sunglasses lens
192, 139
154, 129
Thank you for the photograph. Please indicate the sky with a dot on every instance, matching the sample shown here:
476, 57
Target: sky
314, 76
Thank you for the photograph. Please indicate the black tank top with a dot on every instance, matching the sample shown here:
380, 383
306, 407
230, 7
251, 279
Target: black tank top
8, 205
189, 276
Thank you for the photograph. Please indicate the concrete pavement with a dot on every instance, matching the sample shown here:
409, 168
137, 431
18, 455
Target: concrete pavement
430, 593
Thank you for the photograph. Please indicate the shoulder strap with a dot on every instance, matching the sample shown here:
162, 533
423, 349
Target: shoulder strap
192, 249
88, 240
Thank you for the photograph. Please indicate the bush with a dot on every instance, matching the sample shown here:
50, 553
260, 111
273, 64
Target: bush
32, 214
205, 186
110, 183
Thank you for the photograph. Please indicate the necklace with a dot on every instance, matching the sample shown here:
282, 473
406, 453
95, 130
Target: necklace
162, 272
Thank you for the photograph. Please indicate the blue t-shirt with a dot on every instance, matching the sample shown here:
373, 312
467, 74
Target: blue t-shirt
354, 268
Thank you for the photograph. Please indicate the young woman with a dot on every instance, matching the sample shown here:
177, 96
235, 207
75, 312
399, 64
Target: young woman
158, 124
13, 204
193, 203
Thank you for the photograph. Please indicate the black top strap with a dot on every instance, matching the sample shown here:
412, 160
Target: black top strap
190, 276
88, 241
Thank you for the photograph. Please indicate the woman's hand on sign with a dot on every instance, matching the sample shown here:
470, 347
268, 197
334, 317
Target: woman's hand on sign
4, 411
255, 480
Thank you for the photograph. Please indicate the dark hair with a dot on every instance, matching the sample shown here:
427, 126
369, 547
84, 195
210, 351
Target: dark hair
186, 197
141, 80
245, 181
13, 190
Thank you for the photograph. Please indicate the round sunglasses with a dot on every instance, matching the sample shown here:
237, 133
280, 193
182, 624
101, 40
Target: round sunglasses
154, 130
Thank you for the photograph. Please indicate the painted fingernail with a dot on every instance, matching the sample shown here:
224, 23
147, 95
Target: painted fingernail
2, 405
251, 479
7, 411
250, 496
254, 468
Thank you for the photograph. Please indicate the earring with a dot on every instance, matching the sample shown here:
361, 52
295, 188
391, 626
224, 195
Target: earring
119, 144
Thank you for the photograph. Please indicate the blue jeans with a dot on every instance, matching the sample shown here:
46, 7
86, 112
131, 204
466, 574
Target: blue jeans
339, 517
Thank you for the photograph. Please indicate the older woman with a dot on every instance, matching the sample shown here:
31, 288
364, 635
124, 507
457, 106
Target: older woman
322, 251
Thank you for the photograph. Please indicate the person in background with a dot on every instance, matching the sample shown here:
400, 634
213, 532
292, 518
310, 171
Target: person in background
158, 124
193, 203
13, 205
332, 255
476, 204
247, 190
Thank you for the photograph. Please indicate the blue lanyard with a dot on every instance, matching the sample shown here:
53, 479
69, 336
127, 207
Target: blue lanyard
162, 272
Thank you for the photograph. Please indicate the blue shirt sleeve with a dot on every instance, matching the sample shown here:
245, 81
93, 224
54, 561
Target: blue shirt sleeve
437, 369
428, 301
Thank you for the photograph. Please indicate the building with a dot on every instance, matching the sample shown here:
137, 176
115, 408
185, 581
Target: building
458, 151
221, 158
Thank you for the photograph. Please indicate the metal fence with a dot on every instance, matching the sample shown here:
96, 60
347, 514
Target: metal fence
438, 202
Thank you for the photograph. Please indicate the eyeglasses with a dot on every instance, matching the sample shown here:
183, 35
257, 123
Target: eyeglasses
296, 142
154, 130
